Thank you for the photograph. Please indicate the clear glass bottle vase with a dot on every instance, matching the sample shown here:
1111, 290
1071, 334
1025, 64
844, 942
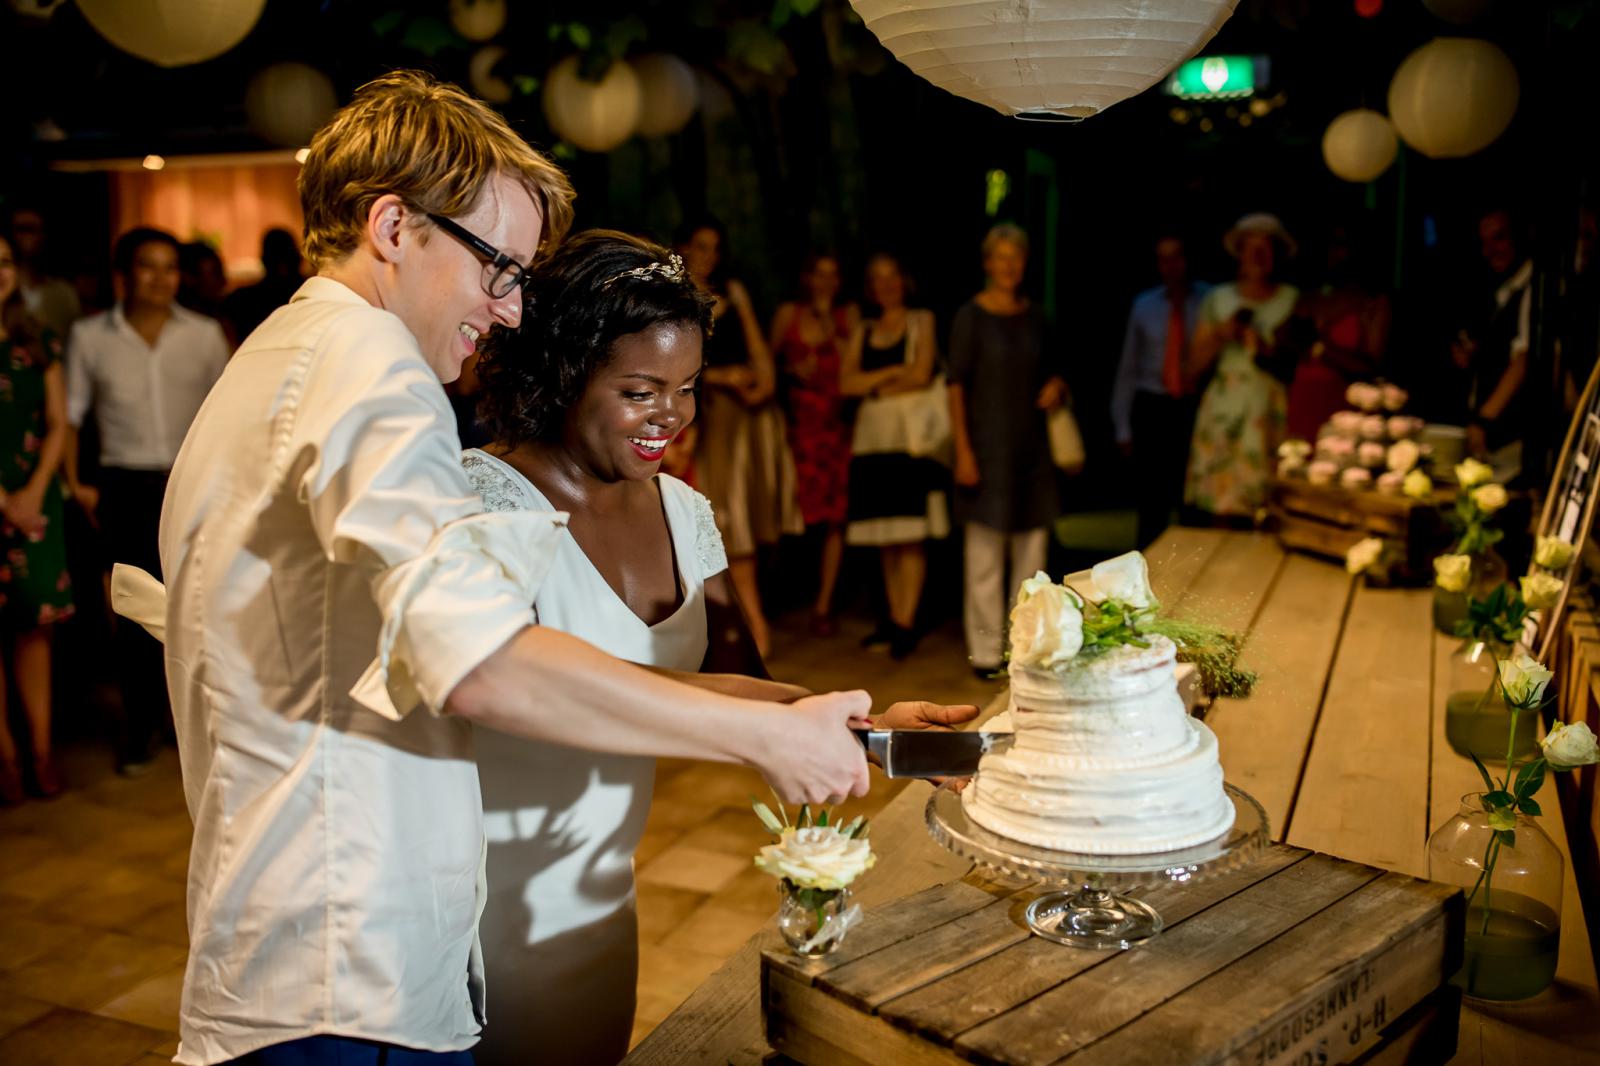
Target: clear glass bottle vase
1489, 570
1476, 718
814, 921
1513, 929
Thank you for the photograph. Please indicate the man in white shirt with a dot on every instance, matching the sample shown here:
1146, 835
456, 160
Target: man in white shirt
318, 513
143, 367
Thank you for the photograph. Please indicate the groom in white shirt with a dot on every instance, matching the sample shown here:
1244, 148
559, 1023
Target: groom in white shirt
318, 513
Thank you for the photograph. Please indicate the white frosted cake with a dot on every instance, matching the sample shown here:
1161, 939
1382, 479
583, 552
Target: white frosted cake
1107, 760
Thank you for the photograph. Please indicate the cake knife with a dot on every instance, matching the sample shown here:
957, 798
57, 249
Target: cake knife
930, 752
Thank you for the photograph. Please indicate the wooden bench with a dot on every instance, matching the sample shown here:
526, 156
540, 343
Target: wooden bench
1343, 745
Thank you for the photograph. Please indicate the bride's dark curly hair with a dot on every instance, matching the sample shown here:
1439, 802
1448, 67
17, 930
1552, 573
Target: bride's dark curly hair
533, 375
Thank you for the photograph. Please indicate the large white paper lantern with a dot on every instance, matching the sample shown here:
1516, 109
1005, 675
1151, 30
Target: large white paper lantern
1359, 145
481, 75
594, 115
1044, 58
173, 33
288, 102
478, 20
1453, 96
668, 94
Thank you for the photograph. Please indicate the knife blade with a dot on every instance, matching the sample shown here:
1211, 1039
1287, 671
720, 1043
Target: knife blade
930, 752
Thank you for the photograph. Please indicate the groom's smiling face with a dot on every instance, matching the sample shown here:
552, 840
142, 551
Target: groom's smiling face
637, 402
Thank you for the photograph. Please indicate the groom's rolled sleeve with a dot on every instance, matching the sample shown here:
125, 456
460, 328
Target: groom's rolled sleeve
383, 483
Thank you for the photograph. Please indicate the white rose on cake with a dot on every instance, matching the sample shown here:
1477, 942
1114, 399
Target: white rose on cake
1046, 624
816, 857
1570, 745
1125, 579
1553, 553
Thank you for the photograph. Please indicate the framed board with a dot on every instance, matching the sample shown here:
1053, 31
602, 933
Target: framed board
1569, 508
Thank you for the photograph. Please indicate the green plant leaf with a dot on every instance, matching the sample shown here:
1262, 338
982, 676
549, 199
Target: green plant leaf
1527, 805
1507, 838
768, 819
526, 84
1497, 799
803, 819
1488, 782
1530, 778
580, 35
822, 818
854, 825
861, 833
1503, 818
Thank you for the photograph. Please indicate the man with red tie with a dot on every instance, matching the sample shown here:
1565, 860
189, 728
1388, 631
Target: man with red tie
1152, 404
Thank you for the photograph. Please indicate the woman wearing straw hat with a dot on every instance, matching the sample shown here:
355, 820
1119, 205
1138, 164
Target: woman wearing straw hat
1242, 412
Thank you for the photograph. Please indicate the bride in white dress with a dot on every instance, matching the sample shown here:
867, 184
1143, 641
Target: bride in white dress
583, 401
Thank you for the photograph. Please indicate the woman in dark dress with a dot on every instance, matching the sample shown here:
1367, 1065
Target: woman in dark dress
1005, 378
35, 591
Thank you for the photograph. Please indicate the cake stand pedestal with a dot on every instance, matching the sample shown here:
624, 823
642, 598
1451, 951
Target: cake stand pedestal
1091, 911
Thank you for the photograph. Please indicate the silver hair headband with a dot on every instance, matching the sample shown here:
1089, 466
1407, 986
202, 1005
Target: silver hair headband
671, 270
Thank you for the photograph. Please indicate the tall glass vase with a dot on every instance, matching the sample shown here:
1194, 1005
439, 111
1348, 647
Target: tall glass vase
1488, 571
1513, 910
1476, 718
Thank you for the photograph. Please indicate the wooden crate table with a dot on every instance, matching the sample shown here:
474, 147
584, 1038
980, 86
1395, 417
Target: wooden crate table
1342, 744
1299, 957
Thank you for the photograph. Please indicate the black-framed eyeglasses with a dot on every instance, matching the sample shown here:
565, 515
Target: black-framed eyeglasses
501, 273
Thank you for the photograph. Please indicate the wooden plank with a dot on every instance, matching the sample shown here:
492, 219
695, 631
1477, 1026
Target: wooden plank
1379, 951
1178, 556
1265, 739
1425, 1035
945, 1008
1364, 794
1230, 589
1109, 996
797, 1015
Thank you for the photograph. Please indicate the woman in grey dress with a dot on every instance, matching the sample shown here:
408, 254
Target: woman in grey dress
1005, 377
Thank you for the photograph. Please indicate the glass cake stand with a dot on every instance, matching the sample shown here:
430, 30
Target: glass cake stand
1091, 911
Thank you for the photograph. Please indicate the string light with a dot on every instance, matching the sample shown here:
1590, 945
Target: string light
154, 162
302, 155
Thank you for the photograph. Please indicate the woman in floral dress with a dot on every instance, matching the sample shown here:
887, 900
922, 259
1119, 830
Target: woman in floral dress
35, 591
1242, 411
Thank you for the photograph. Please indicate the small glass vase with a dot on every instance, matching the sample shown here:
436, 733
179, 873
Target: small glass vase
814, 921
1514, 913
1476, 718
1488, 572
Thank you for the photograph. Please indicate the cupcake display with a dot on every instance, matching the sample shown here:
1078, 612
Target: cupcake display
1371, 445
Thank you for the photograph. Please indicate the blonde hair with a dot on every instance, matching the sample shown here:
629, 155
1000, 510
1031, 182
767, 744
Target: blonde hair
427, 142
1005, 233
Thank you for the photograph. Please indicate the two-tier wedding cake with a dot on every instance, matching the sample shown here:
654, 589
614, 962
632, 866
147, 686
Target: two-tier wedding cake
1107, 760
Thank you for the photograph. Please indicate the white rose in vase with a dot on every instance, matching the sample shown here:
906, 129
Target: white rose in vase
1452, 572
1362, 555
1571, 745
1553, 553
1523, 680
816, 857
1470, 473
1403, 455
1540, 591
1046, 624
1125, 579
1418, 485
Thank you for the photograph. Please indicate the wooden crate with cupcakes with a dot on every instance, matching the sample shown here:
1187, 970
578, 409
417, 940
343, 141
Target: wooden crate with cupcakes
1364, 477
1298, 958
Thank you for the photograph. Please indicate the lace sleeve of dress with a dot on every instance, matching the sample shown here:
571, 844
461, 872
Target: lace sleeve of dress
708, 538
492, 483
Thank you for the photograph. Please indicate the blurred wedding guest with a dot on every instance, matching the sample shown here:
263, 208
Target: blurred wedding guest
1241, 417
897, 479
51, 300
1580, 296
1336, 337
807, 335
1005, 376
201, 283
742, 460
1153, 400
1491, 350
247, 307
143, 368
35, 591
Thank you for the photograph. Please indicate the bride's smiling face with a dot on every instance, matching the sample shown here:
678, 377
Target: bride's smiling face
637, 403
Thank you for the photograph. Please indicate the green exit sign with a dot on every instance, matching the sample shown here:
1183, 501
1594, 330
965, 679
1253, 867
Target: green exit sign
1216, 77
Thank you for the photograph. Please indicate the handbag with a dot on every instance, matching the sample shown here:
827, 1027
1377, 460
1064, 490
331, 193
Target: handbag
916, 422
1066, 443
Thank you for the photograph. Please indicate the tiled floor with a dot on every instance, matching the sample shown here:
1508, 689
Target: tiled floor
92, 885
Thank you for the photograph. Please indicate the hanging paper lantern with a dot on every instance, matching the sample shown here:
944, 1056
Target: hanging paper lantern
1359, 145
1043, 58
480, 74
594, 115
288, 102
173, 33
1458, 12
1453, 96
668, 94
478, 20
